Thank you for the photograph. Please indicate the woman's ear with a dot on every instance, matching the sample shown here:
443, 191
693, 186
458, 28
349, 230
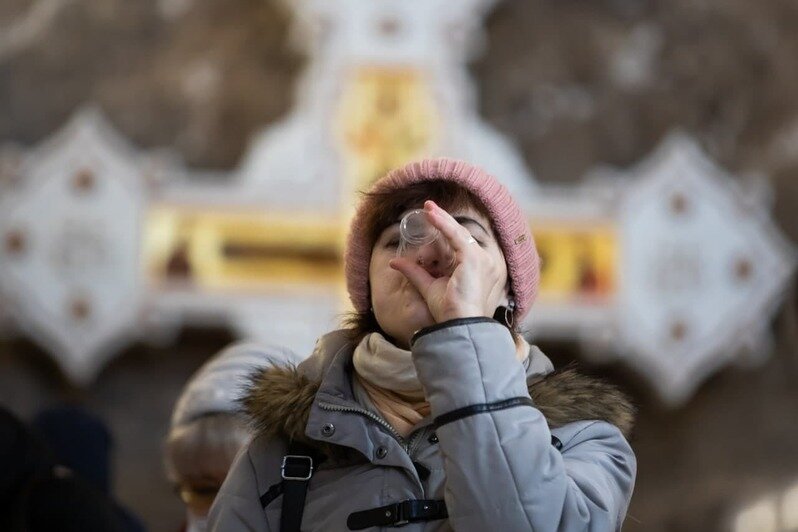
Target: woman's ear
507, 298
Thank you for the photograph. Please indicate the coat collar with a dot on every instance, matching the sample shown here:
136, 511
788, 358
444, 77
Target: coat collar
280, 399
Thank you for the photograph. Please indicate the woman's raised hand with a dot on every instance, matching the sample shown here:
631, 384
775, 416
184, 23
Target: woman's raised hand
475, 287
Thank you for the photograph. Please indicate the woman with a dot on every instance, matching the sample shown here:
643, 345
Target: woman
207, 429
425, 411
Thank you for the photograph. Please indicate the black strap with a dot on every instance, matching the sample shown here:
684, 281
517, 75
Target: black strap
450, 323
481, 408
296, 470
274, 491
398, 514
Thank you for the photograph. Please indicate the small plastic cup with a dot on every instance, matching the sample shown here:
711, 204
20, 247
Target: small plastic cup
421, 242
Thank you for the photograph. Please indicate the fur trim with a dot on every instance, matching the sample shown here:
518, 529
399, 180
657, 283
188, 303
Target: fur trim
280, 398
566, 395
279, 401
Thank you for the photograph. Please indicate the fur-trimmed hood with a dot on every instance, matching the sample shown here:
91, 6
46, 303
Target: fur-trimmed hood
279, 399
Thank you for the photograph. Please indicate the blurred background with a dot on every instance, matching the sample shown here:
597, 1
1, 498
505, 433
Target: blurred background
178, 127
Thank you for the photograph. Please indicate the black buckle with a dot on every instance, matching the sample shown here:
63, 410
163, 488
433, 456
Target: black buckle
398, 514
402, 513
298, 467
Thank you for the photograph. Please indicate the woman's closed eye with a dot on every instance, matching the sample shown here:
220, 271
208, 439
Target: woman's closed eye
390, 239
480, 240
476, 229
479, 236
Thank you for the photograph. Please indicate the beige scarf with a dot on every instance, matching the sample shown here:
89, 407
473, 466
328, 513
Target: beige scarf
389, 377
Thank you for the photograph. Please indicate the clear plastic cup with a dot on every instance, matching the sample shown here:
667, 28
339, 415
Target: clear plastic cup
421, 242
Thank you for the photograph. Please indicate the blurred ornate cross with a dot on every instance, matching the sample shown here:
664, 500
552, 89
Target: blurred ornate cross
670, 266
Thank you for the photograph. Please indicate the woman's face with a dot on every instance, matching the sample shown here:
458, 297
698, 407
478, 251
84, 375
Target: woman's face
198, 493
399, 308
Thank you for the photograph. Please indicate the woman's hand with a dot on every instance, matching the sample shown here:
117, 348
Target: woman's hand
475, 287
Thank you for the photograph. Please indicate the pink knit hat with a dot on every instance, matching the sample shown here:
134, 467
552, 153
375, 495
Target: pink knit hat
513, 233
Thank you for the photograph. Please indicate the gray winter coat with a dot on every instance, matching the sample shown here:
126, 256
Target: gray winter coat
560, 462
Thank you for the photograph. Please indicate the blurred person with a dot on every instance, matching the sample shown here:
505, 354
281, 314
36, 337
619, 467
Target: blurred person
429, 410
79, 440
39, 492
207, 430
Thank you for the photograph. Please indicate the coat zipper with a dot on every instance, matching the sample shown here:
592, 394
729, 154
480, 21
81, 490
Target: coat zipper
406, 444
415, 438
372, 416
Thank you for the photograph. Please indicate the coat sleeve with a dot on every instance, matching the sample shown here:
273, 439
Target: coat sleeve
237, 505
502, 472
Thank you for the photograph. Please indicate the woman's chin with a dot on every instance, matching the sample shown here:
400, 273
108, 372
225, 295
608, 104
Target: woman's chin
419, 316
402, 332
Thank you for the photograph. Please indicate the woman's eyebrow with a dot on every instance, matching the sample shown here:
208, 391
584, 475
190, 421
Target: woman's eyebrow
394, 227
465, 219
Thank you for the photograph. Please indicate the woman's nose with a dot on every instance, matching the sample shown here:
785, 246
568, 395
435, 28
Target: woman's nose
437, 258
